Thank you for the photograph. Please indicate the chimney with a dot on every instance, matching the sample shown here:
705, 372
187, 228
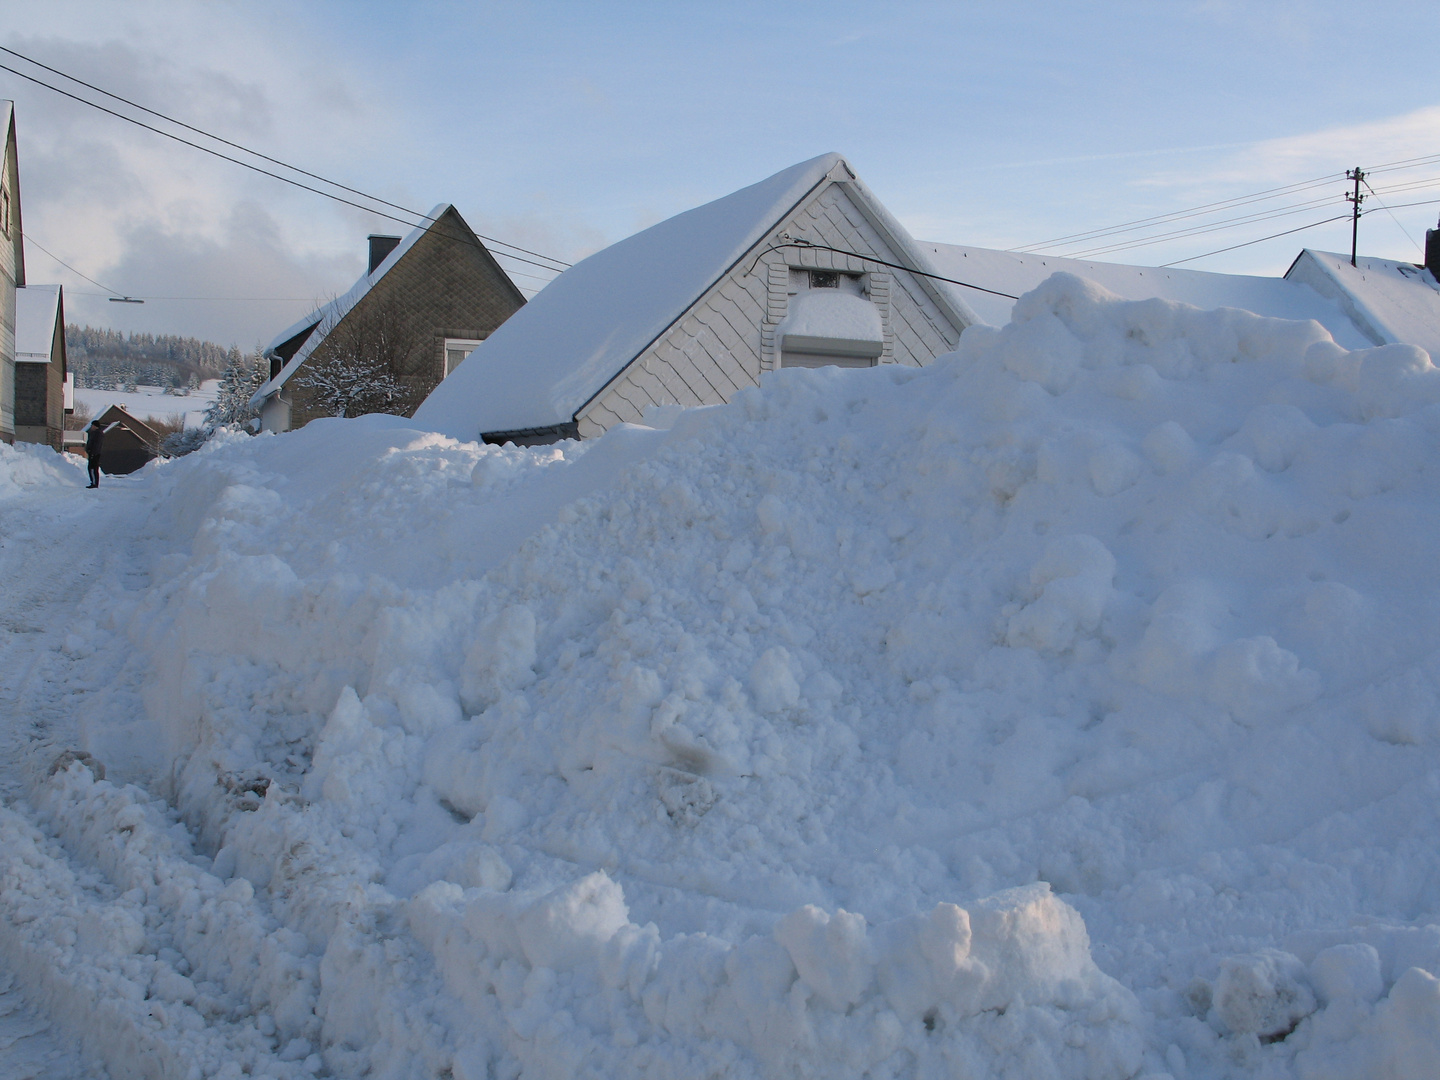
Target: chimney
380, 246
1432, 251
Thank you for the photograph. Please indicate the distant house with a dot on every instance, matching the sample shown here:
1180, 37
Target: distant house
804, 269
1016, 273
440, 284
1387, 301
12, 269
130, 443
42, 382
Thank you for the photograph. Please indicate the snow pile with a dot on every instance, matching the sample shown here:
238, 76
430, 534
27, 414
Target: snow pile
1068, 708
31, 465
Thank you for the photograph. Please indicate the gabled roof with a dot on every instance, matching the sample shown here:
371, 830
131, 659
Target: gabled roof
1388, 301
17, 230
1016, 273
37, 310
550, 358
116, 415
329, 314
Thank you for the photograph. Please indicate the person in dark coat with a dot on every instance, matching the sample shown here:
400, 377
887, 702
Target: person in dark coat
94, 444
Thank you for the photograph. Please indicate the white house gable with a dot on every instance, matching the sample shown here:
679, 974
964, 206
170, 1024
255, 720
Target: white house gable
784, 304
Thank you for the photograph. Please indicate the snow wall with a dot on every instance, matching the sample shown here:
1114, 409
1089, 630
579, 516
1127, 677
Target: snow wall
1065, 709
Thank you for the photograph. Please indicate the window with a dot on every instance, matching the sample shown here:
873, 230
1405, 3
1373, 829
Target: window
824, 279
456, 350
5, 209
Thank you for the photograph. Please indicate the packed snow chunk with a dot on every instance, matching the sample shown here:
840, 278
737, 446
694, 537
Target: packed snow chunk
1273, 434
501, 658
1394, 380
1074, 579
1254, 677
1349, 972
1169, 447
1408, 1027
569, 926
1404, 709
1265, 993
1113, 468
830, 952
773, 681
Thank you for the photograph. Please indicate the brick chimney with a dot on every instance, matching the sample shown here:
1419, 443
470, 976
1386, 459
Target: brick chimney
1432, 251
380, 246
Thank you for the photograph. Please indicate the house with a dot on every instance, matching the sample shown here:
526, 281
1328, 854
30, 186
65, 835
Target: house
43, 385
1016, 273
803, 269
12, 268
424, 302
1387, 301
130, 443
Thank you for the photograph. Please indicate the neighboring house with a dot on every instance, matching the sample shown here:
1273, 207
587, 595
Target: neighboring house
1387, 301
1017, 273
439, 282
694, 309
130, 443
42, 381
12, 268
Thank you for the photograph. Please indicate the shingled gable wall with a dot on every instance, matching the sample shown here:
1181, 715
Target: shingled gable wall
40, 394
12, 275
727, 338
450, 286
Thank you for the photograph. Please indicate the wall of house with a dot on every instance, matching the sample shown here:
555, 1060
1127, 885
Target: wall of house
452, 289
9, 275
727, 339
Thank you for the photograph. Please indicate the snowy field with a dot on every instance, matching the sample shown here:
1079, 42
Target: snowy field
1067, 709
151, 402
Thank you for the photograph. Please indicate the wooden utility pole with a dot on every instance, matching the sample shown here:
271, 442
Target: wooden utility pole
1358, 175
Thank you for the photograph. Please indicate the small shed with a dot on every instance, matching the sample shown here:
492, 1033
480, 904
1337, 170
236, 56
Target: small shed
130, 443
803, 269
41, 376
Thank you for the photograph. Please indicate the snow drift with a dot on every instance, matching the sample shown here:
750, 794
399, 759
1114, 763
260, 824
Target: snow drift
1068, 708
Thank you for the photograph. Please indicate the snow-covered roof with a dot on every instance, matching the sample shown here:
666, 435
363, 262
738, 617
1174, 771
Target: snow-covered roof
549, 358
330, 313
37, 308
1016, 273
1389, 301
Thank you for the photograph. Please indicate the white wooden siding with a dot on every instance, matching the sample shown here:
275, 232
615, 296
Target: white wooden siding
727, 338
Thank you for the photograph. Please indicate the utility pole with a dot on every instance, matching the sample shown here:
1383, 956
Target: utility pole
1358, 175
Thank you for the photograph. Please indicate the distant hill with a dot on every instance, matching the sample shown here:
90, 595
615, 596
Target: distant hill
112, 360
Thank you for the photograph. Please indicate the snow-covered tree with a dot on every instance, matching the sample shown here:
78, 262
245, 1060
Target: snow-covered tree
356, 370
242, 377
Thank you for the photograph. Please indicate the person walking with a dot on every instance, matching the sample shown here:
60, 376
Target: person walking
94, 444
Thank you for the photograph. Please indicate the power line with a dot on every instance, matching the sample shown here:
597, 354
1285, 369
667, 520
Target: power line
26, 237
808, 246
1262, 239
255, 168
1127, 226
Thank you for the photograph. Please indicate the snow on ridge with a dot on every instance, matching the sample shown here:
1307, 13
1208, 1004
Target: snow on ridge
735, 761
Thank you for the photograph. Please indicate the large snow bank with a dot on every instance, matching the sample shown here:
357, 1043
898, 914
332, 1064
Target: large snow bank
25, 466
1068, 708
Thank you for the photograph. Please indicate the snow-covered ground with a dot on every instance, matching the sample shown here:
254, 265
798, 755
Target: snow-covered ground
151, 402
1069, 708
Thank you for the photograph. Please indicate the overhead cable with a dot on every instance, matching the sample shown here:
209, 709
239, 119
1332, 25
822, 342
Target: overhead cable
266, 172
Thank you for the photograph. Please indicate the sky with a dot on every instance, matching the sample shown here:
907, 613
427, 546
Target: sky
563, 127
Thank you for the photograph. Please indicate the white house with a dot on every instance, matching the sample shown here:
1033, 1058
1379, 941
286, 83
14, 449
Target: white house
12, 268
802, 269
1387, 301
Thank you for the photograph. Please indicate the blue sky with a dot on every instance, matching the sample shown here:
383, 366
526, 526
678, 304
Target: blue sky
566, 126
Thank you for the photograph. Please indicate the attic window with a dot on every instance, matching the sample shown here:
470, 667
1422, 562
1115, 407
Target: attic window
824, 279
5, 209
456, 350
